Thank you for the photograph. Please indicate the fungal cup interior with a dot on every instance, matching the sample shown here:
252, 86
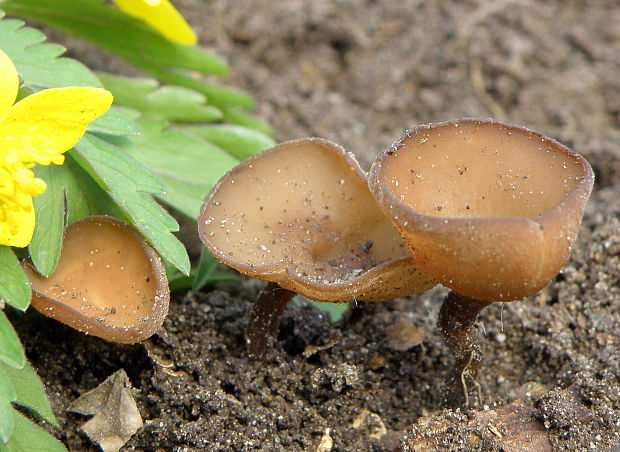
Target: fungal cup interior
301, 215
487, 209
108, 282
477, 170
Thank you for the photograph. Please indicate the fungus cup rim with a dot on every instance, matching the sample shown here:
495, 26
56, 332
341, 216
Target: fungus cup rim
142, 330
404, 215
284, 271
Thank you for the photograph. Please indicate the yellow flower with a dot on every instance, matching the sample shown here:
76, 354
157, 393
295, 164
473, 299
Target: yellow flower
37, 129
162, 16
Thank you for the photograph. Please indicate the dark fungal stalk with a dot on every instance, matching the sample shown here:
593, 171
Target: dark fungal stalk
351, 254
456, 319
265, 317
488, 210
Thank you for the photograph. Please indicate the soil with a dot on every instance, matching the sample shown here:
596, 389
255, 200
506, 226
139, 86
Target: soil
358, 72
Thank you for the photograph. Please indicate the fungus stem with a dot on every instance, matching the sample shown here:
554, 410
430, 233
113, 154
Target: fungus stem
265, 317
456, 320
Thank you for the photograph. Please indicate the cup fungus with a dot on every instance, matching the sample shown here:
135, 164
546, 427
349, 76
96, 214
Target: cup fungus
300, 215
109, 282
486, 209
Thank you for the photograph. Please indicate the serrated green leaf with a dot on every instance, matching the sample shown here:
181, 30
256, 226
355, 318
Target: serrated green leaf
240, 142
239, 117
71, 195
176, 158
77, 185
171, 103
120, 33
129, 183
129, 38
83, 195
27, 437
123, 169
14, 284
39, 65
219, 96
11, 350
184, 197
114, 122
29, 391
7, 418
185, 157
7, 387
49, 209
128, 89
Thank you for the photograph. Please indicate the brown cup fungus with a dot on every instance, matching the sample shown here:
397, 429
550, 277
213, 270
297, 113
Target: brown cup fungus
300, 215
486, 209
109, 282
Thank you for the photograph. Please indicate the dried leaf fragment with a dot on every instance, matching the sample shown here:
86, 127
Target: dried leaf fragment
403, 335
370, 424
511, 428
116, 415
326, 443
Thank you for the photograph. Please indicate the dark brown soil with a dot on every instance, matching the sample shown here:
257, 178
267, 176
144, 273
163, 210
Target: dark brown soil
359, 72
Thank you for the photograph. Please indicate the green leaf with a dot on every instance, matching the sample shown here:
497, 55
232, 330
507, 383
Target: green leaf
84, 197
184, 197
166, 102
7, 415
120, 33
114, 122
7, 388
132, 40
119, 168
14, 284
240, 142
335, 310
188, 165
185, 157
178, 281
29, 391
27, 437
129, 183
39, 65
239, 117
72, 194
7, 395
205, 268
11, 350
219, 96
223, 276
49, 209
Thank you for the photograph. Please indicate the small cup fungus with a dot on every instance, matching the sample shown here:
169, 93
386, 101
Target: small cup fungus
109, 282
300, 215
487, 209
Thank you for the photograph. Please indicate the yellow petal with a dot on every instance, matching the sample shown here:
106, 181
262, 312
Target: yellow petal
162, 16
17, 224
9, 82
40, 127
